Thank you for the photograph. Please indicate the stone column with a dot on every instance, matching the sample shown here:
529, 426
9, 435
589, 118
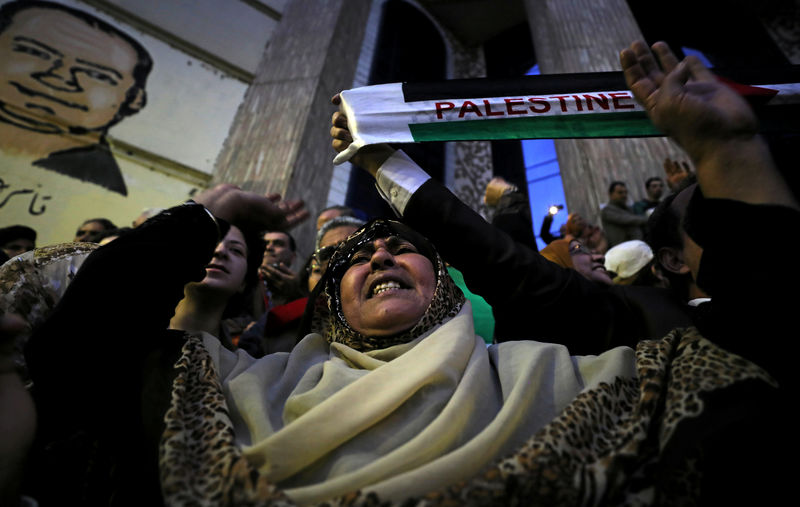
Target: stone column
279, 140
471, 161
587, 36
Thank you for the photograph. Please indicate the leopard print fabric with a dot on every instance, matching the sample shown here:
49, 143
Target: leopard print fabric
605, 448
199, 463
328, 319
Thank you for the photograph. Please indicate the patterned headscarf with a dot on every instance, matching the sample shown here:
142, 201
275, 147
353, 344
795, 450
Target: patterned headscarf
325, 304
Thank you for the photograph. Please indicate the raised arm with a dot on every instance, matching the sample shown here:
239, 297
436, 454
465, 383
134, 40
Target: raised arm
742, 190
675, 172
712, 122
531, 296
122, 298
135, 282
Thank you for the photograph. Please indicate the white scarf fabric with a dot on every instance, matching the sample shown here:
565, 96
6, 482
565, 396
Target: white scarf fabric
325, 419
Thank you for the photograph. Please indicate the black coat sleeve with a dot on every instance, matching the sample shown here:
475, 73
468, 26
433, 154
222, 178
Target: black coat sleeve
113, 312
531, 297
101, 364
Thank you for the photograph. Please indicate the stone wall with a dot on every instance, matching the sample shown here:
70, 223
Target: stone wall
586, 36
279, 141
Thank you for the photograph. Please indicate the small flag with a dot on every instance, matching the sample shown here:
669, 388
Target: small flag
550, 106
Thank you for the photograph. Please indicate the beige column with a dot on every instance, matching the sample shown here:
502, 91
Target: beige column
279, 140
586, 36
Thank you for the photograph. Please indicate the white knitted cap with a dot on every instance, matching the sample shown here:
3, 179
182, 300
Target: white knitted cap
626, 259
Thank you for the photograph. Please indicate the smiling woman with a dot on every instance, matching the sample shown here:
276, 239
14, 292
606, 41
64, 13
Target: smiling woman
228, 274
385, 285
392, 397
387, 288
226, 271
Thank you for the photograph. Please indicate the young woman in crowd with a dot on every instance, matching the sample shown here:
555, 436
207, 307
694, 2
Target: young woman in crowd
230, 274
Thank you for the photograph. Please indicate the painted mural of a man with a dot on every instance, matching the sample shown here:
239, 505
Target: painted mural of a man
65, 78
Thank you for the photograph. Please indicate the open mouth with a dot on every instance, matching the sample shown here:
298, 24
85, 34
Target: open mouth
218, 267
380, 286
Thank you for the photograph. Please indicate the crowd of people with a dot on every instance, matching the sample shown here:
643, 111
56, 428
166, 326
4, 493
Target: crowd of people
428, 358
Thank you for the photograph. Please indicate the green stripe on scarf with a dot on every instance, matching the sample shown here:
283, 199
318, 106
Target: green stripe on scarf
544, 127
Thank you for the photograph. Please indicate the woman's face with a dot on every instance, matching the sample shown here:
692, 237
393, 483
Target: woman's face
228, 266
590, 265
387, 288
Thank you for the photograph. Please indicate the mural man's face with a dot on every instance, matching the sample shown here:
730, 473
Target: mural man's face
58, 72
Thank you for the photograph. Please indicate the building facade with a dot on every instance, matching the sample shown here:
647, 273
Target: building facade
242, 95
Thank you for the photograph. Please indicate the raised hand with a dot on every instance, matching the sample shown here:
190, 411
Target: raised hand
339, 130
281, 279
495, 189
240, 207
676, 172
685, 100
712, 122
369, 157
